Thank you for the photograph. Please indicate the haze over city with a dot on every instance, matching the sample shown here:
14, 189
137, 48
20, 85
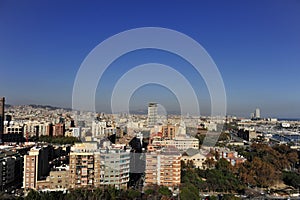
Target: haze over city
255, 45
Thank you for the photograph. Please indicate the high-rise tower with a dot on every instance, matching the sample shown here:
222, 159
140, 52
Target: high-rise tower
2, 115
152, 114
257, 113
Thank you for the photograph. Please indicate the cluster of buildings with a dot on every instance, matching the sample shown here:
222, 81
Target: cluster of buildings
88, 166
113, 147
256, 114
20, 123
11, 165
269, 130
96, 161
199, 158
18, 164
91, 166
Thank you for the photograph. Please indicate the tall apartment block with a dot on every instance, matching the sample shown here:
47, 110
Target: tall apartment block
36, 166
83, 173
11, 170
92, 167
2, 104
59, 129
163, 168
257, 113
114, 165
152, 114
169, 131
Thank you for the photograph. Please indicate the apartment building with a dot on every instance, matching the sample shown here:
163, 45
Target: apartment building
101, 129
182, 143
36, 166
247, 135
92, 167
82, 169
58, 180
163, 168
35, 128
59, 129
114, 165
152, 114
169, 131
11, 167
2, 113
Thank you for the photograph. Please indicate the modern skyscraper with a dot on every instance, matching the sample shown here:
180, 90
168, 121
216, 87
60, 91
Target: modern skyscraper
2, 104
152, 114
257, 113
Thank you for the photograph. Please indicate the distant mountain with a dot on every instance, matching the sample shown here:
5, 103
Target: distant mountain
7, 106
39, 106
140, 112
48, 107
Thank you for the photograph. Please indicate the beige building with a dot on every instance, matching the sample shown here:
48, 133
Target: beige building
82, 169
181, 143
169, 131
199, 157
83, 172
35, 128
101, 129
196, 156
36, 166
58, 180
92, 167
163, 168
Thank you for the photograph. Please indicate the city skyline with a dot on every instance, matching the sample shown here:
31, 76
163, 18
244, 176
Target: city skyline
255, 46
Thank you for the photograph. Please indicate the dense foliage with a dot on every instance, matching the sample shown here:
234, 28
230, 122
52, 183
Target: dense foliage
58, 140
292, 179
265, 164
265, 167
220, 179
109, 193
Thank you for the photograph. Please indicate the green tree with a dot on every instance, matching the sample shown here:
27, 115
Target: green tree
292, 179
32, 195
163, 190
200, 138
189, 192
133, 194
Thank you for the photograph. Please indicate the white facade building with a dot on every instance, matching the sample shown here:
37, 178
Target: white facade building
181, 143
257, 113
152, 114
100, 129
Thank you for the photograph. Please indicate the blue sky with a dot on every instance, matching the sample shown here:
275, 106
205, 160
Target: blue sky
255, 44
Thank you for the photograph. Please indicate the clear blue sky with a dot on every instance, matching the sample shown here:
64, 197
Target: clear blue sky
255, 44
